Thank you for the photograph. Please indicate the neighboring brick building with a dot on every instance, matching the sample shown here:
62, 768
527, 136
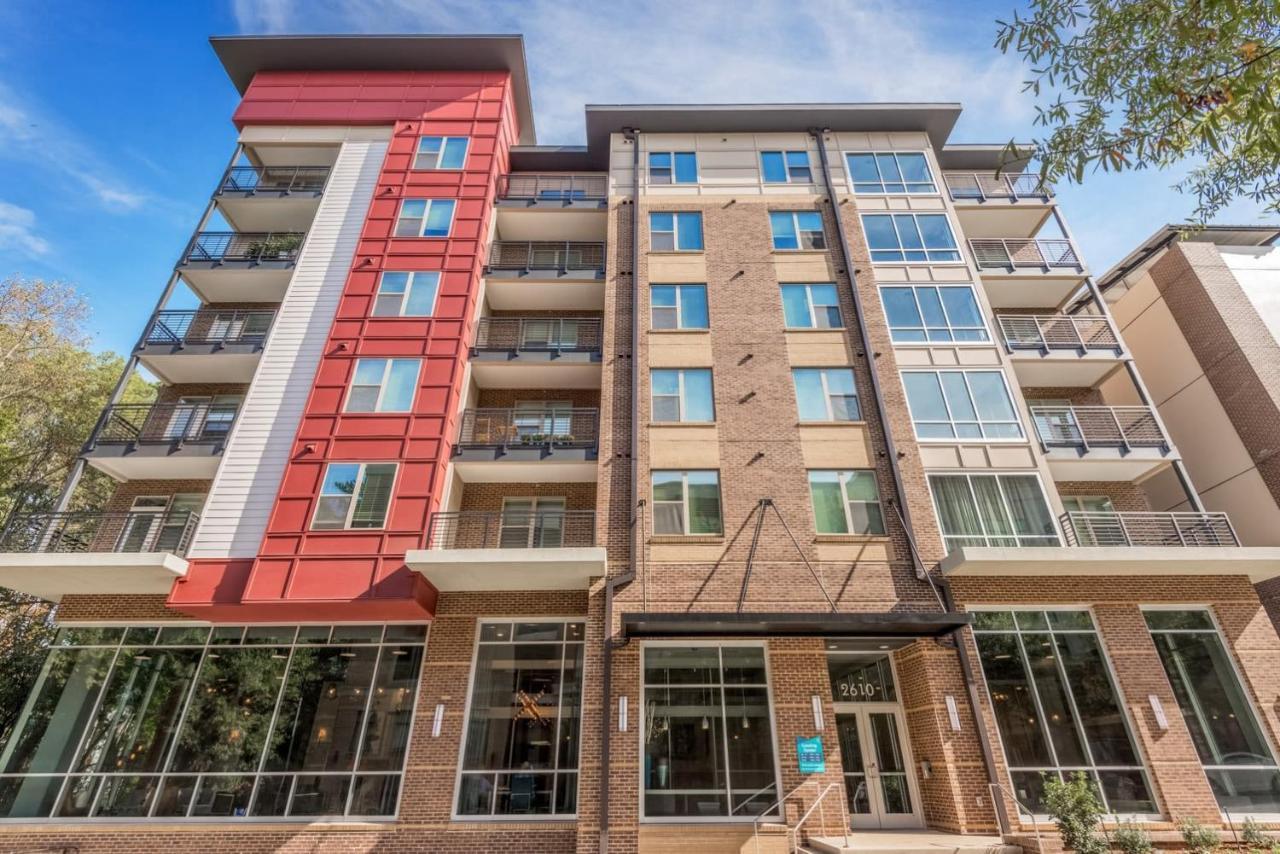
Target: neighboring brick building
557, 498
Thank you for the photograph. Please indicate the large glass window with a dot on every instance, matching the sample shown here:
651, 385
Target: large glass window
909, 237
354, 495
425, 218
797, 230
846, 502
785, 167
406, 294
933, 313
686, 502
675, 232
521, 755
682, 394
1224, 727
673, 167
811, 307
383, 385
441, 152
222, 722
678, 306
708, 736
826, 394
1057, 706
992, 510
961, 405
890, 172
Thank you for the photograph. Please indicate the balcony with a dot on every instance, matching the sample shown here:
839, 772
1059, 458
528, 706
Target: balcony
271, 198
161, 441
552, 207
537, 352
1060, 350
543, 275
205, 346
1101, 442
1129, 530
990, 205
527, 445
1028, 273
510, 550
241, 266
51, 554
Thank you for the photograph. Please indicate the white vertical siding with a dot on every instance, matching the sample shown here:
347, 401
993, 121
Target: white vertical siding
244, 490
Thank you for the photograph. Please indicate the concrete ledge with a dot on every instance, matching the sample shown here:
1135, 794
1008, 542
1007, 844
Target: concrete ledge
471, 570
1258, 563
52, 576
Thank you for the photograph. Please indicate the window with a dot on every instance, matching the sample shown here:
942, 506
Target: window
811, 307
797, 230
224, 723
909, 237
890, 172
686, 502
678, 306
1224, 726
933, 313
675, 232
785, 167
383, 385
441, 152
406, 294
961, 405
1057, 707
846, 502
673, 167
826, 394
708, 734
992, 510
524, 720
1087, 504
354, 495
425, 218
534, 523
682, 395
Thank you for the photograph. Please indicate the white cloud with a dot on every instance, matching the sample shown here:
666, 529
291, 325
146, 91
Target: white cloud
17, 231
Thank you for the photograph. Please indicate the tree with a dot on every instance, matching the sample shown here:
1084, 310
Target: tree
1135, 84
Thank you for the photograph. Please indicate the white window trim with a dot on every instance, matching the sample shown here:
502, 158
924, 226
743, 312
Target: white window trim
986, 323
684, 501
561, 501
842, 479
928, 162
680, 395
679, 306
382, 385
408, 291
809, 306
444, 141
426, 216
951, 226
999, 440
648, 168
675, 232
786, 167
937, 510
795, 223
355, 496
826, 395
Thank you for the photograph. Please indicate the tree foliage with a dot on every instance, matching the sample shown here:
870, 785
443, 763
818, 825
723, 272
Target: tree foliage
1134, 84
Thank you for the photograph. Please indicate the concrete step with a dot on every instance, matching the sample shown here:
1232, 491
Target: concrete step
910, 842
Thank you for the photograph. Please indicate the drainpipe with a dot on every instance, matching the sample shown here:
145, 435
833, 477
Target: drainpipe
637, 505
131, 364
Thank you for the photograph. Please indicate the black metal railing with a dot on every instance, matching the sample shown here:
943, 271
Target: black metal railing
165, 423
563, 427
553, 188
1086, 427
550, 334
1032, 252
1088, 528
512, 529
988, 185
133, 531
274, 179
1058, 332
544, 255
209, 327
256, 246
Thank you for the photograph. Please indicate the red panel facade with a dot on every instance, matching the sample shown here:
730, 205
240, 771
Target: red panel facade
354, 575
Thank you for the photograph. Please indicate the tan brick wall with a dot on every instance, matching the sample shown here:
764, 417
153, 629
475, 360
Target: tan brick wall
1125, 495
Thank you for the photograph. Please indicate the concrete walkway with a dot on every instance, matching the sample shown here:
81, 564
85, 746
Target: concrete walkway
911, 842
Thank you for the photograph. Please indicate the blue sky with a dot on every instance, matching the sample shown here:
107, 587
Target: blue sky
114, 117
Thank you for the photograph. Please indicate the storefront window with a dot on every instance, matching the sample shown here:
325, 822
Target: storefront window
1233, 750
708, 738
189, 721
1057, 707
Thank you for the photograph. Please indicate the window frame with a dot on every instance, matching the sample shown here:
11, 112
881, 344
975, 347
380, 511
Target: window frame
676, 231
896, 155
685, 502
407, 296
843, 482
418, 153
426, 217
678, 307
355, 495
681, 395
902, 250
1021, 438
914, 287
795, 215
673, 168
785, 155
969, 474
827, 394
810, 305
382, 385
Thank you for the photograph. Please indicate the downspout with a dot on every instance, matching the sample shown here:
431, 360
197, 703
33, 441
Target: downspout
637, 506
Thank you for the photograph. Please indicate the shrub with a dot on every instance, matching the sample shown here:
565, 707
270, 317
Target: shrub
1132, 839
1198, 838
1073, 805
1252, 834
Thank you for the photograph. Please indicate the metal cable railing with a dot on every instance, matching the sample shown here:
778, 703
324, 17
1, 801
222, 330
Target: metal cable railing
165, 423
133, 531
553, 188
512, 529
1087, 427
1094, 528
276, 179
1058, 332
501, 427
988, 185
1032, 252
544, 255
554, 334
244, 246
209, 327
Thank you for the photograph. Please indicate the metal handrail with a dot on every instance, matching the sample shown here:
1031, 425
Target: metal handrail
1013, 253
1001, 819
1187, 530
779, 803
988, 185
95, 531
817, 805
546, 255
1086, 427
553, 188
512, 529
256, 246
164, 423
1047, 332
275, 179
208, 326
508, 427
549, 334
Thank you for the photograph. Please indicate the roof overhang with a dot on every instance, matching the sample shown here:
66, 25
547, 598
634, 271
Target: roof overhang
818, 624
245, 56
1149, 250
985, 157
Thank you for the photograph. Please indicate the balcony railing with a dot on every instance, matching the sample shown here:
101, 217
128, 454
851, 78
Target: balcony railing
982, 186
274, 179
209, 327
553, 188
165, 423
255, 246
1088, 427
550, 334
1015, 254
133, 532
513, 529
567, 428
540, 255
1148, 529
1058, 332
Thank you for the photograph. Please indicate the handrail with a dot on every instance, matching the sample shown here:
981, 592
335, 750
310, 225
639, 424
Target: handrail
546, 255
1035, 825
817, 804
209, 326
780, 802
1110, 528
257, 246
506, 427
537, 187
753, 796
1087, 427
132, 531
165, 423
982, 186
543, 334
508, 529
274, 179
1012, 253
1046, 332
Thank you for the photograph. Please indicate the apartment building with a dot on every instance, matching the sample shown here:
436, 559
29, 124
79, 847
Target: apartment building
735, 481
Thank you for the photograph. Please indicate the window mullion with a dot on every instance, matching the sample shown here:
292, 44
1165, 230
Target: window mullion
1075, 711
166, 767
364, 725
724, 734
1035, 696
266, 746
84, 734
355, 496
842, 480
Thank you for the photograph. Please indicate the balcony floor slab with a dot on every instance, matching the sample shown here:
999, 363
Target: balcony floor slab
490, 371
475, 570
1064, 368
52, 575
1256, 562
1106, 463
204, 363
156, 462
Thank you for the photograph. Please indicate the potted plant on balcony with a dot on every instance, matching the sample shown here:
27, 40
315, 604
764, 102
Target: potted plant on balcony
533, 439
275, 246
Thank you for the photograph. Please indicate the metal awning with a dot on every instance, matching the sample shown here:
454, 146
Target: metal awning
817, 624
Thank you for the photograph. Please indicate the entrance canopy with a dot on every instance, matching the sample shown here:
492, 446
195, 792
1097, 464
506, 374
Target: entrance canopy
818, 624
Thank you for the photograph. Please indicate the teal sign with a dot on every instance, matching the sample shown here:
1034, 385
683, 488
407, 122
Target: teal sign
809, 752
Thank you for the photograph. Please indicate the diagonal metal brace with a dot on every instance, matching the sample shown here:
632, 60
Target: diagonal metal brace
761, 506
